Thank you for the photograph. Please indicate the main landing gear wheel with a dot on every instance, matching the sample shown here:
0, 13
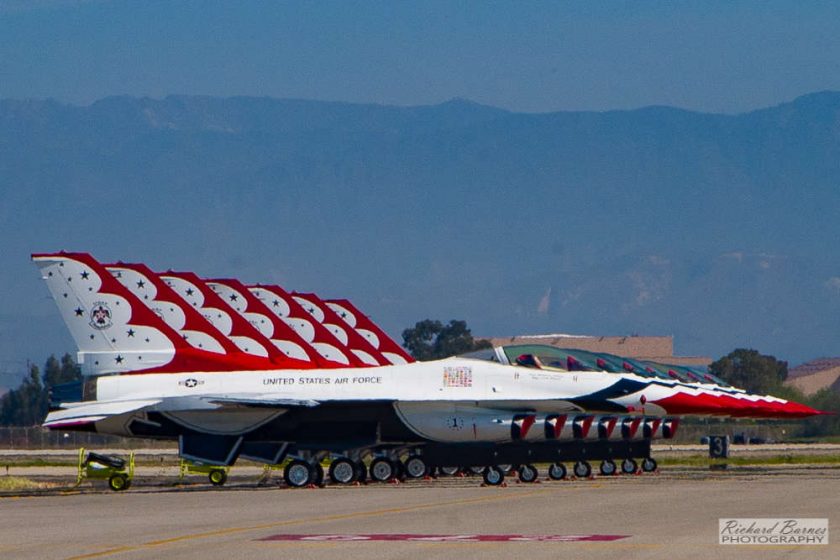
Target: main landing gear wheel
361, 470
449, 471
343, 471
118, 482
476, 470
493, 476
582, 469
608, 467
506, 468
528, 473
649, 465
383, 470
298, 474
217, 477
415, 467
557, 471
629, 466
318, 471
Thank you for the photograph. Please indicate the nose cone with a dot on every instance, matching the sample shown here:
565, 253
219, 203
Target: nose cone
738, 405
790, 409
763, 406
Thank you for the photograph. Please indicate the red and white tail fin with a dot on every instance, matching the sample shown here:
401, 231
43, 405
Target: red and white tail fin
347, 335
284, 306
227, 320
270, 325
140, 280
114, 331
351, 315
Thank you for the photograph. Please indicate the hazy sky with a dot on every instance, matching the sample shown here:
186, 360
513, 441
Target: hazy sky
530, 56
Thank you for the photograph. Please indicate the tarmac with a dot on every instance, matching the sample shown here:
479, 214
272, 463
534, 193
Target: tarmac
665, 515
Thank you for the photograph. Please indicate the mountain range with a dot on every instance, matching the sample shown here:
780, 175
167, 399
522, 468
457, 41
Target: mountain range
721, 230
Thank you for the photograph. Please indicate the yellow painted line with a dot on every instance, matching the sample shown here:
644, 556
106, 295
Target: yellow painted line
321, 519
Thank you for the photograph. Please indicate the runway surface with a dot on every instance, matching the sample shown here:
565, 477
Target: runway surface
661, 516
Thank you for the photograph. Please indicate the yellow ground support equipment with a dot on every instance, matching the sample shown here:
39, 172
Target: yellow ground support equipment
217, 475
95, 466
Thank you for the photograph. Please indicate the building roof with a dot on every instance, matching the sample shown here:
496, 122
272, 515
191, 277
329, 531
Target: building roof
817, 374
814, 366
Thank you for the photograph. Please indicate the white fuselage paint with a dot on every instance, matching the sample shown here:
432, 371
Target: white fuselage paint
447, 400
419, 381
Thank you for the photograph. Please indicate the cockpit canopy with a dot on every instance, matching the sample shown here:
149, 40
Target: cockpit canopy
540, 356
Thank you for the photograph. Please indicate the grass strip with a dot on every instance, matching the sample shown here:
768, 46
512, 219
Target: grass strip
783, 459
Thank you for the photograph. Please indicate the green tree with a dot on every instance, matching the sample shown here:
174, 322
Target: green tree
750, 370
28, 404
432, 340
829, 401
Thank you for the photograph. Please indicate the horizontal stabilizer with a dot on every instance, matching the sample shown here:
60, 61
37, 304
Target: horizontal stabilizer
80, 413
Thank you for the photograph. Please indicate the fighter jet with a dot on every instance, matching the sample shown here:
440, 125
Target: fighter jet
145, 377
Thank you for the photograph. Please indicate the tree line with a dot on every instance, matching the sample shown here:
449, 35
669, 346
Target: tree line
27, 405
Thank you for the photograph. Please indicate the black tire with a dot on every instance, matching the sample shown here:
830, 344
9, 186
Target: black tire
528, 473
493, 476
318, 471
107, 460
399, 469
507, 469
629, 466
343, 471
217, 477
557, 471
118, 482
449, 471
298, 473
475, 470
415, 467
608, 467
361, 470
649, 464
582, 469
383, 469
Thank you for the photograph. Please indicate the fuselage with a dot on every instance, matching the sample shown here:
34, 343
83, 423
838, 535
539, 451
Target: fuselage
453, 379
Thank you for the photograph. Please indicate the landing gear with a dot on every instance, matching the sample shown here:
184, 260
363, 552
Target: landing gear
582, 469
383, 469
629, 466
217, 477
343, 471
449, 471
299, 473
476, 470
649, 464
361, 470
557, 471
608, 467
415, 467
527, 473
318, 471
493, 476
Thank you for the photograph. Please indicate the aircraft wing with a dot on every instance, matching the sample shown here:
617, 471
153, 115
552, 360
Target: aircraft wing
74, 414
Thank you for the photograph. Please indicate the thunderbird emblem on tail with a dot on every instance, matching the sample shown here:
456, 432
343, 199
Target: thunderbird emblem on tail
100, 316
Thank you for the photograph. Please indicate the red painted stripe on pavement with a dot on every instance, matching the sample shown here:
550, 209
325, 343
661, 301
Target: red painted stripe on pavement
440, 538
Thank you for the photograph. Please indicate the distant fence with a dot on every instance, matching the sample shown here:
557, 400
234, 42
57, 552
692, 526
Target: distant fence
41, 438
